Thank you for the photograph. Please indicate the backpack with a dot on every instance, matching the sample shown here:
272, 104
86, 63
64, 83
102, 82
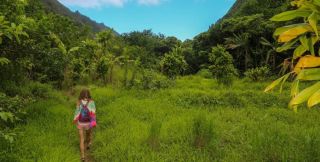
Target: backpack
84, 113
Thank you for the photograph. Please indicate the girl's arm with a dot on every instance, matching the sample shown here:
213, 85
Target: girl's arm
77, 112
92, 109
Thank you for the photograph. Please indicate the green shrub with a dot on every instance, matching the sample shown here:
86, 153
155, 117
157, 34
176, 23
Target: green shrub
152, 80
39, 90
173, 63
202, 131
258, 74
222, 67
10, 88
205, 73
12, 111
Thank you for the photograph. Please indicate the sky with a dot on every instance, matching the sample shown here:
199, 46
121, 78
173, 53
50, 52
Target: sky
183, 19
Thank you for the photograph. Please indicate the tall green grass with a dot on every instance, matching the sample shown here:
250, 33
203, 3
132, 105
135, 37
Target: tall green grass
194, 121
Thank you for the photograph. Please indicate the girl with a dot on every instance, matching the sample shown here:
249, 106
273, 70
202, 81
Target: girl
85, 119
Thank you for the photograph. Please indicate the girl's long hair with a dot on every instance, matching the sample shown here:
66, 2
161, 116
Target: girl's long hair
85, 93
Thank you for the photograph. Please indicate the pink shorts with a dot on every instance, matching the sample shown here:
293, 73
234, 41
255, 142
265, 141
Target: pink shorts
85, 126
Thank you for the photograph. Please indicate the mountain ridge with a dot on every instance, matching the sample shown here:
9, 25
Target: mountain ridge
58, 8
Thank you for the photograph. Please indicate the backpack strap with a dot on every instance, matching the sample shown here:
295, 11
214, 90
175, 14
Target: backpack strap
86, 103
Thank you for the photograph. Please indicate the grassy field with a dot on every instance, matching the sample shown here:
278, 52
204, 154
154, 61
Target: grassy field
195, 120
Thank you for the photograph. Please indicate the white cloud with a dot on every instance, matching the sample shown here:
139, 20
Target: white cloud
100, 3
94, 3
149, 2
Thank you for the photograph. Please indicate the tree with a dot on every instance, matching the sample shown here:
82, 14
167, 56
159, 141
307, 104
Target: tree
173, 63
304, 36
271, 53
241, 42
222, 65
108, 54
10, 32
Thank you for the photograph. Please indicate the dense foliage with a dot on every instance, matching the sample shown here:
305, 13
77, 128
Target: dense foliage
303, 37
258, 74
173, 63
222, 65
241, 32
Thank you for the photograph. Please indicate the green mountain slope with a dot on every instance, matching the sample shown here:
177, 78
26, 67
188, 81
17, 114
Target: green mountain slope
58, 8
249, 7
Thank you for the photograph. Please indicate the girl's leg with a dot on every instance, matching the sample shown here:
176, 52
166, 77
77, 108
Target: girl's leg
89, 137
81, 135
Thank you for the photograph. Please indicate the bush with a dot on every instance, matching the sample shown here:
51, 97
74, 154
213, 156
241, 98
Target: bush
202, 131
222, 67
10, 88
257, 74
152, 80
173, 63
205, 73
39, 90
11, 112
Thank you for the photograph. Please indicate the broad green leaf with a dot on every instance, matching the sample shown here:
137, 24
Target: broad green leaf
283, 81
286, 46
310, 46
265, 42
313, 21
299, 51
314, 99
310, 6
309, 74
316, 2
6, 115
289, 15
58, 42
297, 3
73, 49
305, 94
295, 88
314, 40
280, 30
294, 32
307, 61
304, 41
276, 82
4, 61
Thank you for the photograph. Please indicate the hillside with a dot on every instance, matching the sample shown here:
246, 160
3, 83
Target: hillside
246, 22
58, 8
249, 7
235, 8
